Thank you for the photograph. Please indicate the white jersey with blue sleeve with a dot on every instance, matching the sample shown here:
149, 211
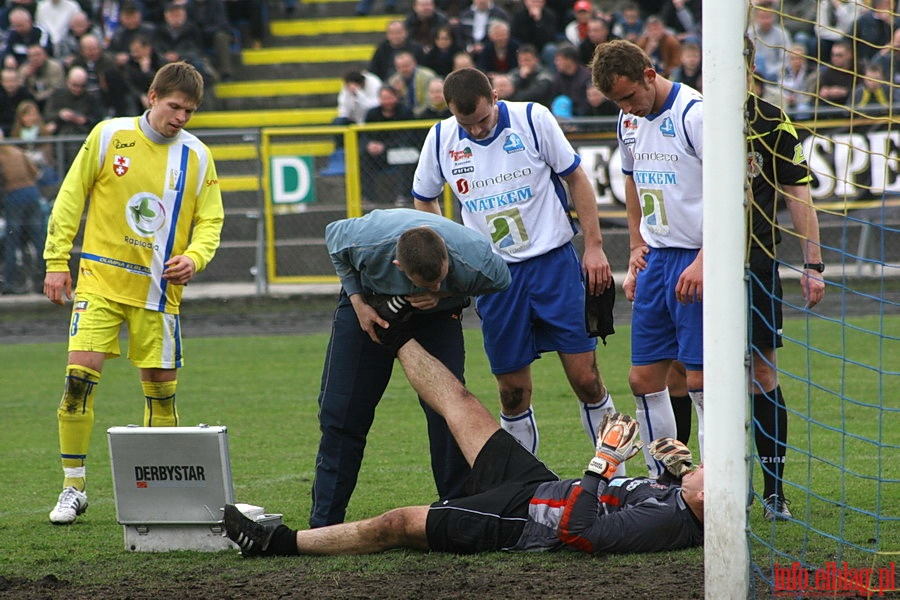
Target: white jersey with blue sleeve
509, 184
663, 153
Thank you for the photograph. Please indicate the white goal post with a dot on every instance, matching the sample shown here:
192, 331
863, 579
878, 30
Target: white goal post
726, 553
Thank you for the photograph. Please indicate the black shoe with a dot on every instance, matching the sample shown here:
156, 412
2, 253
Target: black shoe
252, 537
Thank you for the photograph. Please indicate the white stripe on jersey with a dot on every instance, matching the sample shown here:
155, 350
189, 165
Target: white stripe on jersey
664, 154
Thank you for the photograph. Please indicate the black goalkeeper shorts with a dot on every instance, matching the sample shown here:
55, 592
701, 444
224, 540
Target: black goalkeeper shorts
494, 511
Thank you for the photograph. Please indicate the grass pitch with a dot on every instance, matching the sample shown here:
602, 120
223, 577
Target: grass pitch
265, 390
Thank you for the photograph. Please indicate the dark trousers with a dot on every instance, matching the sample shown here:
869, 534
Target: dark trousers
355, 375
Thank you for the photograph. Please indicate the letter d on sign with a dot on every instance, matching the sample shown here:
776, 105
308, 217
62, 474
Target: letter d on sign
292, 180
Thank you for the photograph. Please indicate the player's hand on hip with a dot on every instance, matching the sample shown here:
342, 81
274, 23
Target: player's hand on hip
179, 270
597, 270
637, 260
58, 287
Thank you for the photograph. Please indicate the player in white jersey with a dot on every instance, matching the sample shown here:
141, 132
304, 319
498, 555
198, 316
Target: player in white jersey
661, 141
514, 174
153, 221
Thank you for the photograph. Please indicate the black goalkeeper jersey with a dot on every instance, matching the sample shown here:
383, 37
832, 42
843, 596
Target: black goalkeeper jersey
774, 157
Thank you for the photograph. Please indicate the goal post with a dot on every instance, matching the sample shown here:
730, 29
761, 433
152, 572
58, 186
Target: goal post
726, 551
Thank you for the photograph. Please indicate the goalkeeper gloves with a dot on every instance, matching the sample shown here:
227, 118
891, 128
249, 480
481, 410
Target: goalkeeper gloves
391, 308
616, 443
674, 455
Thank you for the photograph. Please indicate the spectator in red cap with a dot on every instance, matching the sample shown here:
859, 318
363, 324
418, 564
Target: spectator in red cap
577, 29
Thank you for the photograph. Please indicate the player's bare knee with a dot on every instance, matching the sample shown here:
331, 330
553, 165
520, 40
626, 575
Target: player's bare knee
514, 400
393, 526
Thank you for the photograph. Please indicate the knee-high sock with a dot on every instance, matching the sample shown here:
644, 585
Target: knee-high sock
697, 399
591, 415
159, 403
75, 417
523, 428
682, 406
770, 432
656, 419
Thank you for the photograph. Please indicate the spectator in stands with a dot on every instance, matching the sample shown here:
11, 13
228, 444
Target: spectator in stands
683, 18
28, 127
627, 23
21, 34
576, 31
690, 71
536, 24
889, 59
53, 16
396, 40
358, 95
794, 81
177, 39
423, 21
440, 57
25, 225
41, 74
391, 180
500, 52
473, 24
463, 60
662, 47
411, 81
531, 81
835, 83
211, 19
249, 15
104, 77
834, 21
873, 92
598, 32
364, 7
70, 46
140, 69
12, 92
437, 106
572, 79
131, 25
770, 39
874, 29
599, 105
503, 85
74, 111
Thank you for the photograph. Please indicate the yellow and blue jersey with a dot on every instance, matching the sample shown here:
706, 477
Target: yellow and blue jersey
147, 201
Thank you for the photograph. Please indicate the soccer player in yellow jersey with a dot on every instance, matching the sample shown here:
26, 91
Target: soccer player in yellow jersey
153, 221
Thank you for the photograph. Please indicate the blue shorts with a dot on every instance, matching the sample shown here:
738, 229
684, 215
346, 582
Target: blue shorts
542, 310
662, 328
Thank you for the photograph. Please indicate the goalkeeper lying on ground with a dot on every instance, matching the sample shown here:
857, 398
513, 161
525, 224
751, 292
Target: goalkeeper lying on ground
514, 502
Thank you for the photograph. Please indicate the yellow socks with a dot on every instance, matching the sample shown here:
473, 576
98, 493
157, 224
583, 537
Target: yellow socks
76, 422
159, 403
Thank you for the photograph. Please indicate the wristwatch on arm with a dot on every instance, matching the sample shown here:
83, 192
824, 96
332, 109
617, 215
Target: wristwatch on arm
819, 267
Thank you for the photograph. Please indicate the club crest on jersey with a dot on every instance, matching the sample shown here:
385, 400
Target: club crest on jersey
667, 128
145, 214
121, 164
513, 144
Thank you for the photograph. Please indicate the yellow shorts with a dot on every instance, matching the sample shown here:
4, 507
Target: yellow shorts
154, 338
